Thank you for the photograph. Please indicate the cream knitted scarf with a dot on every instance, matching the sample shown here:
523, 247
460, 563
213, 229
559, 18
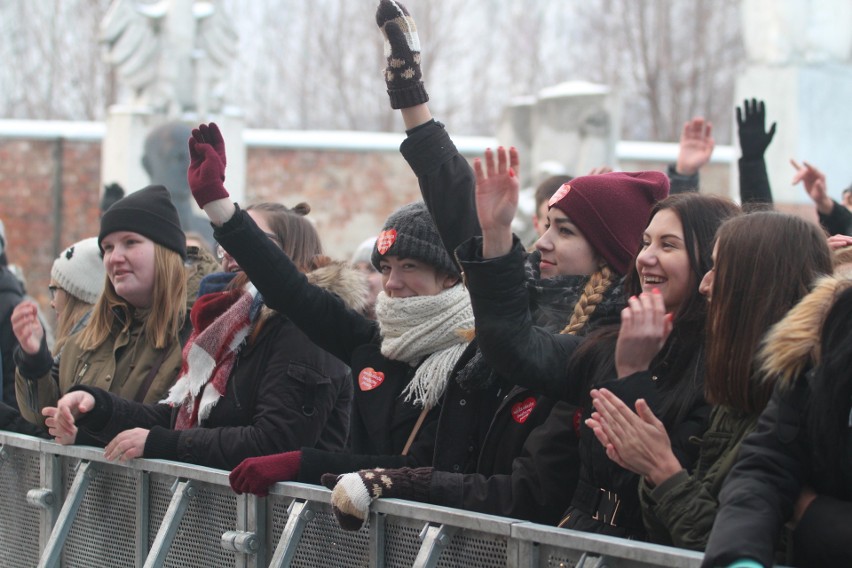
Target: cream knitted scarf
423, 331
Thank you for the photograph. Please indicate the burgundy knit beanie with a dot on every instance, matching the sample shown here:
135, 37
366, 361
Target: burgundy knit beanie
611, 210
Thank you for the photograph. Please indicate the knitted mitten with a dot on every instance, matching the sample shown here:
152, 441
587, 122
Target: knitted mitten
402, 49
206, 173
256, 475
352, 493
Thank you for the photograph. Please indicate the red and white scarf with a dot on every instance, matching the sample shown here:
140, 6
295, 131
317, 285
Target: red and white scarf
221, 322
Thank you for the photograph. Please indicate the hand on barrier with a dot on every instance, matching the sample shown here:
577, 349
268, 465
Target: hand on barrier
256, 475
62, 418
127, 446
402, 49
206, 173
352, 493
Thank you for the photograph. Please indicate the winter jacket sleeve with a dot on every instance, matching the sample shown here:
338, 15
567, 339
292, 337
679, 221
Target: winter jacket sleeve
541, 484
320, 314
113, 415
684, 509
522, 353
12, 421
759, 493
681, 183
447, 182
36, 382
754, 181
838, 221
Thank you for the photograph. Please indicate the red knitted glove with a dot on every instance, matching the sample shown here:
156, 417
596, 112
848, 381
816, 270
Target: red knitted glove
256, 475
402, 49
352, 493
206, 172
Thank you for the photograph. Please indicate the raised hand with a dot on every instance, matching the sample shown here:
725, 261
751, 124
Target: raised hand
206, 173
636, 441
26, 327
814, 182
751, 125
497, 189
61, 420
402, 49
645, 327
696, 146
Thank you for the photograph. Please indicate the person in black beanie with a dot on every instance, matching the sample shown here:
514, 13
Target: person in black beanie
130, 344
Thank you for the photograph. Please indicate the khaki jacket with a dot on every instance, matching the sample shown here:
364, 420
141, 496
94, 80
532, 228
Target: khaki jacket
40, 381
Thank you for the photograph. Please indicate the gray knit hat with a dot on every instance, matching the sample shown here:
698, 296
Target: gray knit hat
79, 270
410, 233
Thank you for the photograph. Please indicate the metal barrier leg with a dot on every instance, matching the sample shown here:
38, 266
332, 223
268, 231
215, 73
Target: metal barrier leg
52, 552
591, 561
300, 513
184, 493
377, 540
434, 538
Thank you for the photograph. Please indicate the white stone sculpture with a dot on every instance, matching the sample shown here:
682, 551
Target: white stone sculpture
171, 55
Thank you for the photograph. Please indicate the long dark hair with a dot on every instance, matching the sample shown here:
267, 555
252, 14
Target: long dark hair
679, 366
766, 262
831, 392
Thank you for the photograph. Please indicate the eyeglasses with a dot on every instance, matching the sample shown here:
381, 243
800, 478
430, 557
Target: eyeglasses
51, 290
220, 252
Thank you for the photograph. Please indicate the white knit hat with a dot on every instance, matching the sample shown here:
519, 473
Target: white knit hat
79, 270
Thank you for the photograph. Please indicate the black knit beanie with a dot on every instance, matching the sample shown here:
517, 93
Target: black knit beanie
410, 233
149, 212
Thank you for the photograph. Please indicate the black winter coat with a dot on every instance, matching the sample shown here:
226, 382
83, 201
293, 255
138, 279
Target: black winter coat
774, 464
283, 393
382, 420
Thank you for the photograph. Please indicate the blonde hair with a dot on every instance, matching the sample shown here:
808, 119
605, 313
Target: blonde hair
168, 303
73, 312
592, 295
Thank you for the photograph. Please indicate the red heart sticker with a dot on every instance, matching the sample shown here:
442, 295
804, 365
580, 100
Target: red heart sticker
386, 240
369, 378
522, 410
560, 193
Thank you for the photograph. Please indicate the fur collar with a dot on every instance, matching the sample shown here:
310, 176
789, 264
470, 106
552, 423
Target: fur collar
339, 278
792, 345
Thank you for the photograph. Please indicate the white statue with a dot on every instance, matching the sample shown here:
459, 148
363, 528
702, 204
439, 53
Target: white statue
171, 54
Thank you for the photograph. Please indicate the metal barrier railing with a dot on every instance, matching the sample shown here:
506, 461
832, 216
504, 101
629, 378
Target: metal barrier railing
67, 506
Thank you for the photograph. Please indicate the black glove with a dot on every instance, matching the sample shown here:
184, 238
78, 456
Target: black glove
752, 129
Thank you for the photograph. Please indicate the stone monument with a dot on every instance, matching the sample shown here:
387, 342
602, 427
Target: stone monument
170, 58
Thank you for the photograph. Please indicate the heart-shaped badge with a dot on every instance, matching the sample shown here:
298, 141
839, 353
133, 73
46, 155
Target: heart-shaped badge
560, 193
369, 378
385, 240
522, 410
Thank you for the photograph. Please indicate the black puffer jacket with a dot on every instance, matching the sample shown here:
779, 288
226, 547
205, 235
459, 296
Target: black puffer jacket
776, 461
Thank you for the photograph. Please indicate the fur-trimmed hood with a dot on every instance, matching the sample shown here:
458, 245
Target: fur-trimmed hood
792, 345
338, 277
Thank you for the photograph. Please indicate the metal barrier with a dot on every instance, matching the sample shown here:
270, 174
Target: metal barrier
67, 506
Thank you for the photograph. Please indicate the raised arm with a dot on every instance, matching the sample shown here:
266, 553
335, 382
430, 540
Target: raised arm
696, 148
834, 218
444, 175
322, 315
754, 139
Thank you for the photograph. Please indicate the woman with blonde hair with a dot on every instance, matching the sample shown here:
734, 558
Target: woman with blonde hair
130, 344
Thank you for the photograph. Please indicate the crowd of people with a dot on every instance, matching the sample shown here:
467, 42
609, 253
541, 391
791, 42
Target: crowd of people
662, 365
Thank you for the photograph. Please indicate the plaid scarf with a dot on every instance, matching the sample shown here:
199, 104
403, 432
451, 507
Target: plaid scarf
221, 322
